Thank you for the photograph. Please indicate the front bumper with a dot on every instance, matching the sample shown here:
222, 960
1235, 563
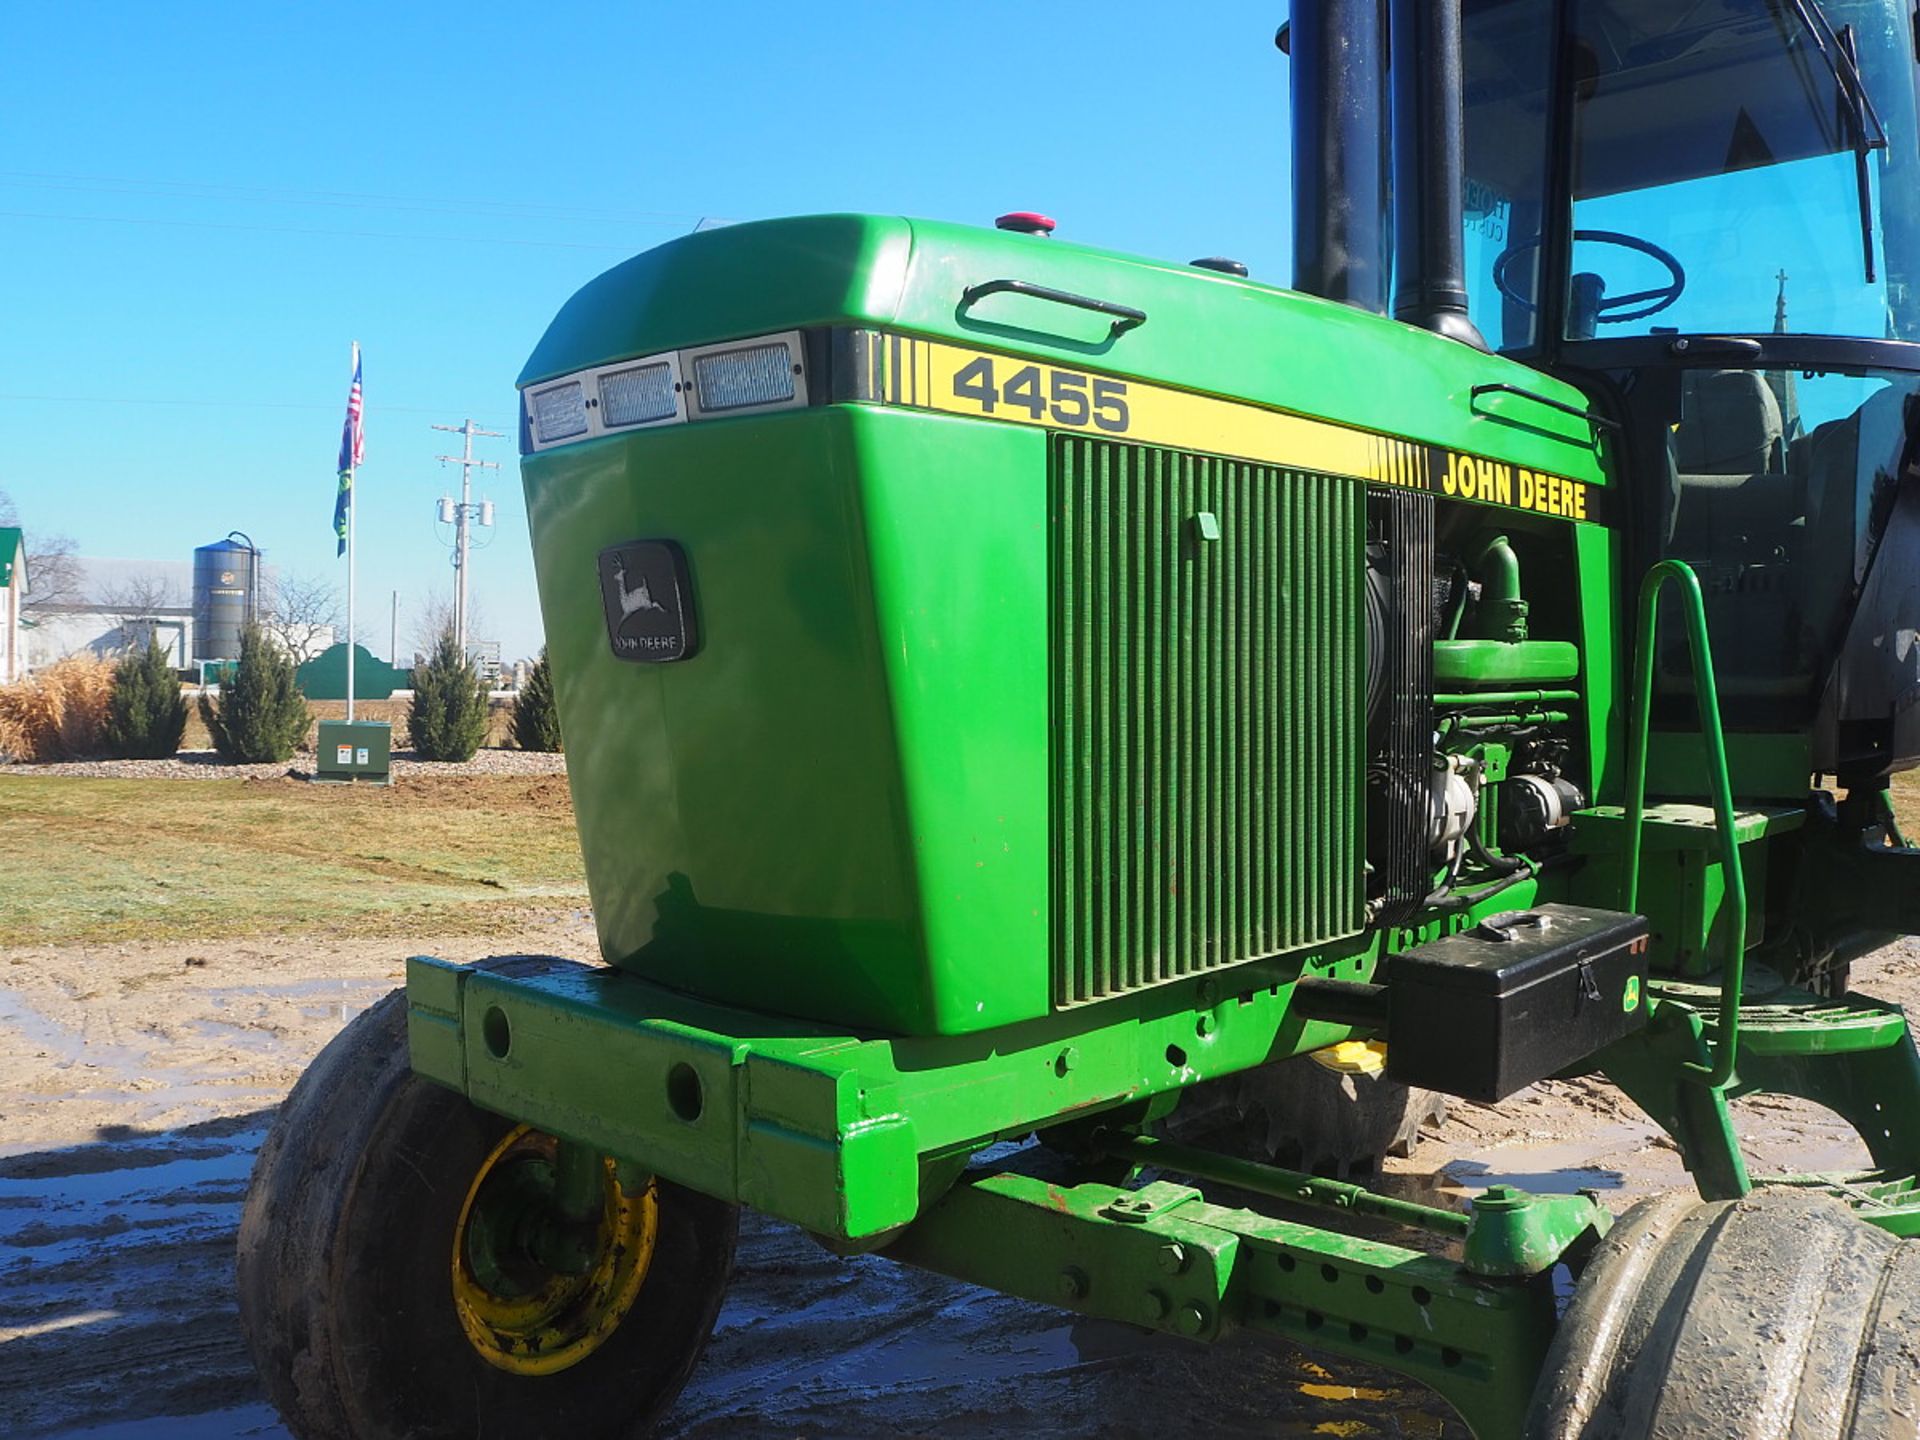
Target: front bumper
828, 1130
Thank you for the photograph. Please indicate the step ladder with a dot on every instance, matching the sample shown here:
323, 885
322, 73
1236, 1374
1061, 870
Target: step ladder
1711, 1041
1854, 1055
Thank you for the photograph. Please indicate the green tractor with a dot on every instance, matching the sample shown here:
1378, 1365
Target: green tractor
1018, 690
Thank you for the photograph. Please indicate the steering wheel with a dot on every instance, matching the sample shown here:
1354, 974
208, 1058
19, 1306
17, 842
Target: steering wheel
1606, 310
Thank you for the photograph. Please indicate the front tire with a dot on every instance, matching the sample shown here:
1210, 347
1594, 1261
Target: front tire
376, 1305
1779, 1316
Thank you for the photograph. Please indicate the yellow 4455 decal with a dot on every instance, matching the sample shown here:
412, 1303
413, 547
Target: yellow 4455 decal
930, 375
1065, 398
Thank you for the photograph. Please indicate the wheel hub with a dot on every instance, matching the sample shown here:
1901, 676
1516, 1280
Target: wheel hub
528, 1305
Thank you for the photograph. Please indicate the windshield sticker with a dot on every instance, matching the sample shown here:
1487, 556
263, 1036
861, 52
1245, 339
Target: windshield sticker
1486, 210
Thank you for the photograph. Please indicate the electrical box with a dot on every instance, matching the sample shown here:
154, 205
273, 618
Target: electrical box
354, 750
1516, 998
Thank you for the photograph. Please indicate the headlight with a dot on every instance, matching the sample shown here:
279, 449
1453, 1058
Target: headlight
765, 373
559, 412
750, 375
638, 395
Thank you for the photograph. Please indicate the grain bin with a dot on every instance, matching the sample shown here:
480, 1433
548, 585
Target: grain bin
226, 584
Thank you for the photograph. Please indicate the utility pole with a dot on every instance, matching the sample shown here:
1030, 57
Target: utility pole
461, 515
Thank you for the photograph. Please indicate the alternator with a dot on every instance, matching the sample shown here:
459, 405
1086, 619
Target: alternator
1455, 801
1533, 807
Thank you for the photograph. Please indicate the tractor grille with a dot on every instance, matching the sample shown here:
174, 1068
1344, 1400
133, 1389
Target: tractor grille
1208, 700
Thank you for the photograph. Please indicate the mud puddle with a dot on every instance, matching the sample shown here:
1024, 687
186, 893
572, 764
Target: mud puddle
116, 1263
247, 1422
117, 1321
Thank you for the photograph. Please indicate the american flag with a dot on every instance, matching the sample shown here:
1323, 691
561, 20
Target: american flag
353, 449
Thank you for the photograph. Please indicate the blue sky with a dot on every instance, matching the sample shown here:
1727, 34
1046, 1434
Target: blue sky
201, 206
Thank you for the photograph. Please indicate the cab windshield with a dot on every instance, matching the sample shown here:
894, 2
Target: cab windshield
1737, 166
1777, 490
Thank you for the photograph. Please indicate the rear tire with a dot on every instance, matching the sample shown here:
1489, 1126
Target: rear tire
1774, 1316
348, 1268
1303, 1115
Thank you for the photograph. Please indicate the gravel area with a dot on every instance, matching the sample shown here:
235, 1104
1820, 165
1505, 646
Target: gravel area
207, 765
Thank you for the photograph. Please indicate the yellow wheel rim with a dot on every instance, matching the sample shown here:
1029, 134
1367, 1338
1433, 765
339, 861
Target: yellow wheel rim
522, 1317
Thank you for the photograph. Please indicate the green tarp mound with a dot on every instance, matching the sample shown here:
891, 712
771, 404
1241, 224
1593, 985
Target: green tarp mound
325, 676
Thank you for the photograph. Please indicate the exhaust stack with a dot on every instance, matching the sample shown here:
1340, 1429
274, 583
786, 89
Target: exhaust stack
1338, 49
1429, 166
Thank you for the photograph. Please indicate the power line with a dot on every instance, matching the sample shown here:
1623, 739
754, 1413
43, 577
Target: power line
348, 199
220, 404
463, 513
311, 230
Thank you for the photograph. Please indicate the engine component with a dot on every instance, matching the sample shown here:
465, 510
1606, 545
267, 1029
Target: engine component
1500, 613
1454, 802
1377, 595
1400, 739
1533, 807
1462, 664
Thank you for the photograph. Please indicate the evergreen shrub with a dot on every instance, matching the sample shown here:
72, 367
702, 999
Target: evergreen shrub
146, 712
536, 720
448, 717
261, 715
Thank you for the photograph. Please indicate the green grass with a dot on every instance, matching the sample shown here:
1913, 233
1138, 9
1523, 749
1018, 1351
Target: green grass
103, 860
92, 860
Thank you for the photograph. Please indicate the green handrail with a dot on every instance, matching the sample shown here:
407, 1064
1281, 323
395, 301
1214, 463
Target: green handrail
1720, 1072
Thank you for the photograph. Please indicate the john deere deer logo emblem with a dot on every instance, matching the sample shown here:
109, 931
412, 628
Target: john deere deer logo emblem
645, 591
637, 598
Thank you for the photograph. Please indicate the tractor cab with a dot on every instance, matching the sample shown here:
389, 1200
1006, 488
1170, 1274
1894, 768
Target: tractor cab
1708, 216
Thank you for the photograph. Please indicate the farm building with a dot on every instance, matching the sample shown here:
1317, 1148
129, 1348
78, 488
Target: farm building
116, 604
13, 589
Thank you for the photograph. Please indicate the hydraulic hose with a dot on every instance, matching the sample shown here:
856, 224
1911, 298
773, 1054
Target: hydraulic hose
1439, 897
1499, 864
1466, 899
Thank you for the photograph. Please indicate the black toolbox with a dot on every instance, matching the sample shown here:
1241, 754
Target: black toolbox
1514, 999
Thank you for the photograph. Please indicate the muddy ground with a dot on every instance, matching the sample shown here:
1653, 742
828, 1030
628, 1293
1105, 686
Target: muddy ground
137, 1080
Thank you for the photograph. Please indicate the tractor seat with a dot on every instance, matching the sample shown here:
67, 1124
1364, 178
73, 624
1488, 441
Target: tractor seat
1729, 425
1732, 490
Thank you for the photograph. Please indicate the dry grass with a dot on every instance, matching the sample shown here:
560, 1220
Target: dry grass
499, 726
59, 713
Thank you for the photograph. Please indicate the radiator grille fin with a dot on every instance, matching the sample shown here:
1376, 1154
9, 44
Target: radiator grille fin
1208, 741
1399, 776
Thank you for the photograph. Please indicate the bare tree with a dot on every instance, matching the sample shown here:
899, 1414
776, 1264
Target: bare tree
53, 570
301, 613
428, 618
431, 616
135, 601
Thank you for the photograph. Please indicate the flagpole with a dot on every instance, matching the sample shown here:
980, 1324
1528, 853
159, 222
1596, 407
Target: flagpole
353, 507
